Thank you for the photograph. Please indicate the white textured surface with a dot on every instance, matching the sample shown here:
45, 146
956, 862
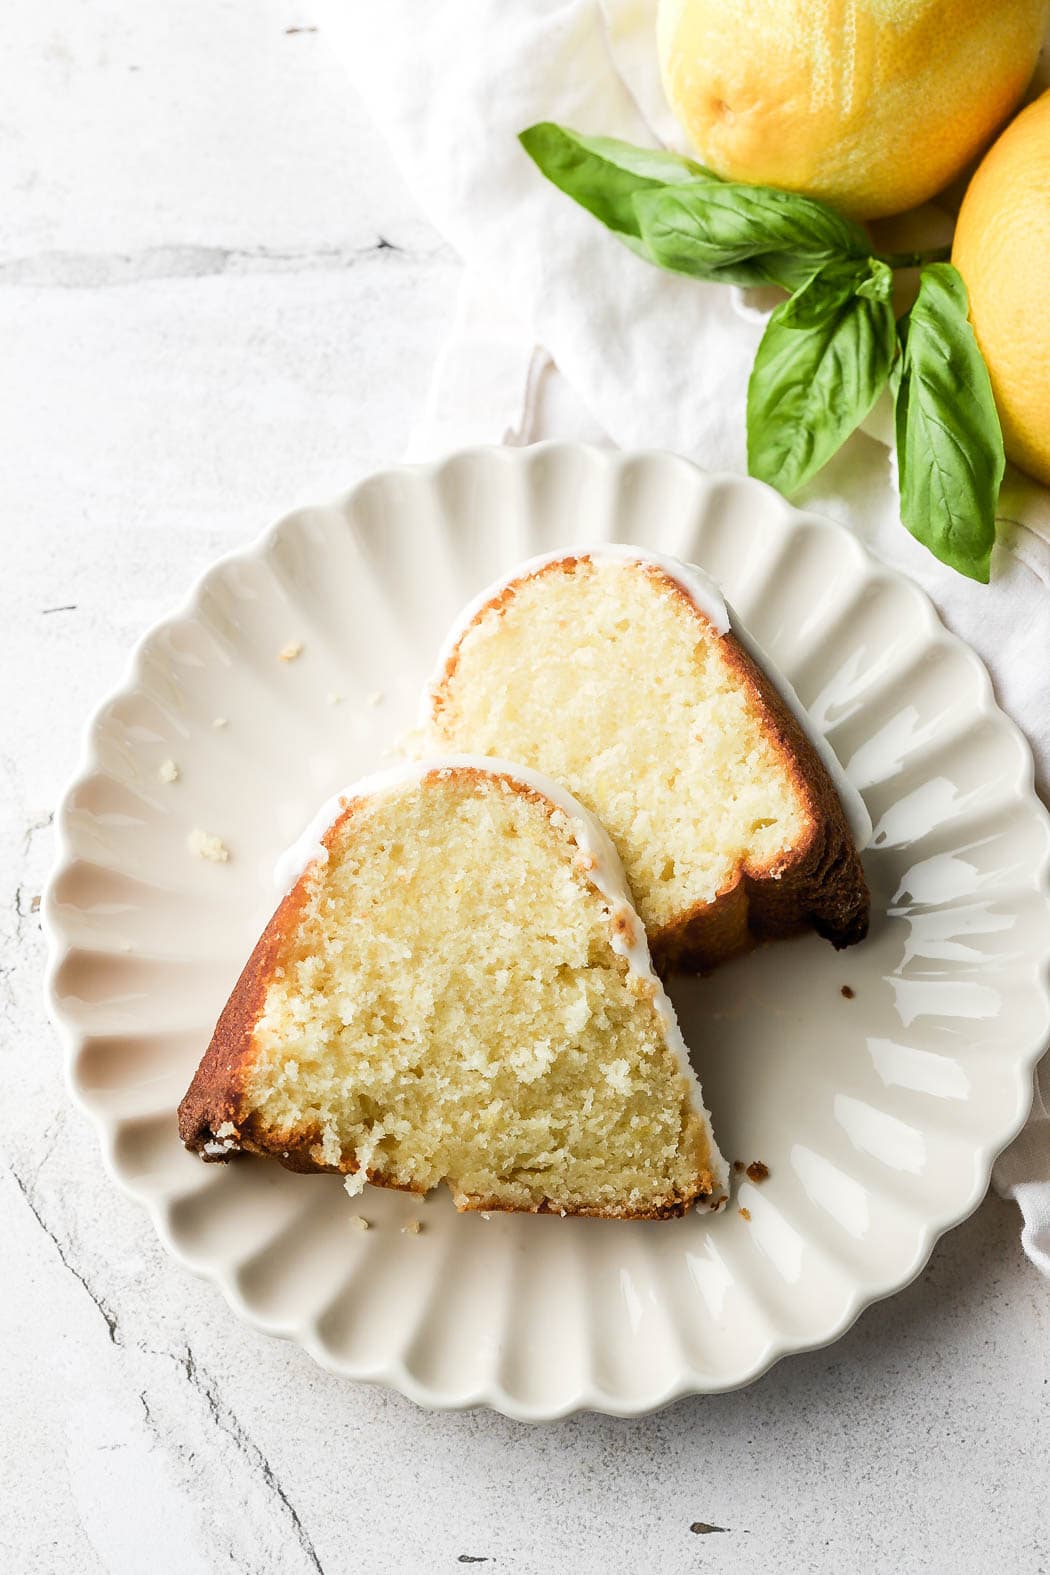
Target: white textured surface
187, 269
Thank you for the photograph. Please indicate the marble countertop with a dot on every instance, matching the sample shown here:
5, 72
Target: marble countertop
216, 302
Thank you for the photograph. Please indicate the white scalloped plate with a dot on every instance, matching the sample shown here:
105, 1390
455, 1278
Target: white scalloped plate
879, 1116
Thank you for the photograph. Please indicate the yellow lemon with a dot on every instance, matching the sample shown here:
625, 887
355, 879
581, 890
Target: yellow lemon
869, 105
1002, 250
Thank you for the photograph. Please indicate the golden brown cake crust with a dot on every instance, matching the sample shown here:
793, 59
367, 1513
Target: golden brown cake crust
674, 1209
820, 886
214, 1100
213, 1097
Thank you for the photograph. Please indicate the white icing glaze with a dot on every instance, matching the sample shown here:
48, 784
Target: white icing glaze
707, 597
604, 871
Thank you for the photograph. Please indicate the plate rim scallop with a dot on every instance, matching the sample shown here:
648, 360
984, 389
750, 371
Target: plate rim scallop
585, 1396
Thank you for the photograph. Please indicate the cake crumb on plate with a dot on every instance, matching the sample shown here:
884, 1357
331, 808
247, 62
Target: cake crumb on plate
359, 1222
289, 652
168, 771
220, 721
411, 1228
757, 1171
207, 846
744, 1213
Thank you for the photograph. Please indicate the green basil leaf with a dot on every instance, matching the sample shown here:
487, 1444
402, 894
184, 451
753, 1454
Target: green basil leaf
734, 233
822, 363
603, 174
878, 284
868, 277
949, 442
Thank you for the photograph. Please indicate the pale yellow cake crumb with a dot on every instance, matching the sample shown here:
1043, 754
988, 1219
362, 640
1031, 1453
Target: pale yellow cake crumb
168, 771
207, 846
358, 1222
220, 721
481, 1030
624, 734
411, 1228
289, 652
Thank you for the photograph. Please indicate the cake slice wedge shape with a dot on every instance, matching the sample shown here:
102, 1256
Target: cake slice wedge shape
623, 674
457, 989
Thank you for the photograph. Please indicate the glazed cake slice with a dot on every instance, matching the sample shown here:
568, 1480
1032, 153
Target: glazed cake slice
456, 989
622, 675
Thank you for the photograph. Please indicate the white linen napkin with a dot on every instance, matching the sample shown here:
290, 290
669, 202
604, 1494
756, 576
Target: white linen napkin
562, 332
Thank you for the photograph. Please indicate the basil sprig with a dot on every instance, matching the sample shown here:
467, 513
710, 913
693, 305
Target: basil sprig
830, 348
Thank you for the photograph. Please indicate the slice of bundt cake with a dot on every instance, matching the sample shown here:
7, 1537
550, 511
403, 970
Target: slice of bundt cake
622, 674
456, 988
